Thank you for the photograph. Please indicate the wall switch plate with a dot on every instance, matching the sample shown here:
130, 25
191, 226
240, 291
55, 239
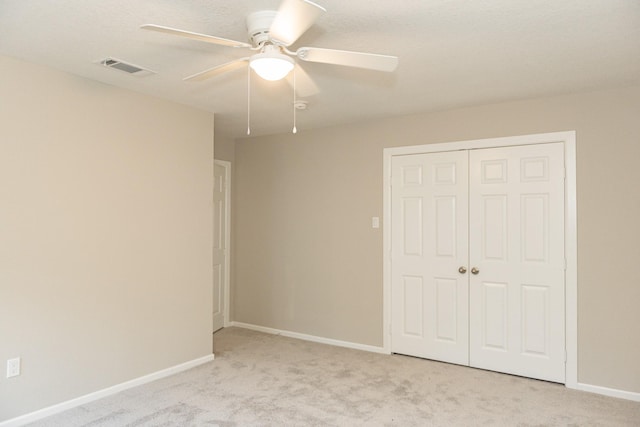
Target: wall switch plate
375, 222
13, 367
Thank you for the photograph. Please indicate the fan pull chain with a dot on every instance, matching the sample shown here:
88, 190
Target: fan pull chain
295, 130
248, 100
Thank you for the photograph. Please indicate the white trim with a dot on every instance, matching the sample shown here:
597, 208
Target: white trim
507, 141
312, 338
227, 238
386, 251
87, 398
571, 255
571, 247
611, 392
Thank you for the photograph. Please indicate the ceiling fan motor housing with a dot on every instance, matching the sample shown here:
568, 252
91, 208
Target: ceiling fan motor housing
258, 24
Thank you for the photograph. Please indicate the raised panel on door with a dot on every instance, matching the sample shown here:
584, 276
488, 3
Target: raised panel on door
516, 210
429, 306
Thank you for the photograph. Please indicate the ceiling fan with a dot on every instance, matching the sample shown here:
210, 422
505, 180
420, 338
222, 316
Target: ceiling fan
270, 34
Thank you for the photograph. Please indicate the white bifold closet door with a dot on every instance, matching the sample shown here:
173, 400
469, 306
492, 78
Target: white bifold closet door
477, 259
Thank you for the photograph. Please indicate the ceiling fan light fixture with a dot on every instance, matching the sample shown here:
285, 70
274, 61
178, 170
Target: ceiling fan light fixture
271, 64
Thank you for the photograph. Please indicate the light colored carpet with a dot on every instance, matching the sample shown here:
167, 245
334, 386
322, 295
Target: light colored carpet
267, 380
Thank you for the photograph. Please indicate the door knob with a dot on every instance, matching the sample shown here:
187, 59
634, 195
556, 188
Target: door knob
462, 270
475, 271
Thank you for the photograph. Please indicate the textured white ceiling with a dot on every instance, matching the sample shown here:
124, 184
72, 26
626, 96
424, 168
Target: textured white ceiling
453, 53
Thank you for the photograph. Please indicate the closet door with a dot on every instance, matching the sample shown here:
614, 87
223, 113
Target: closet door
517, 308
429, 307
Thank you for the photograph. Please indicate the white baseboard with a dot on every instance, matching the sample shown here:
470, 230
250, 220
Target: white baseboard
312, 338
70, 404
611, 392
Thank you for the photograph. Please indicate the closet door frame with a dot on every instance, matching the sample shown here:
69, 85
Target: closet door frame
568, 139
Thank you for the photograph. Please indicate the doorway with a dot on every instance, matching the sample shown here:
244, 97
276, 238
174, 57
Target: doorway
221, 243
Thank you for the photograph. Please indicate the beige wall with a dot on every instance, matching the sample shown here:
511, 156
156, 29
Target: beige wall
225, 148
307, 259
105, 235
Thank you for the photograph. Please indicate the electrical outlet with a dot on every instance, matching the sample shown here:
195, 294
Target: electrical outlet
13, 367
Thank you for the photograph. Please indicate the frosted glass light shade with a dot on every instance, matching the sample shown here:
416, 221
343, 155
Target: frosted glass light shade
271, 66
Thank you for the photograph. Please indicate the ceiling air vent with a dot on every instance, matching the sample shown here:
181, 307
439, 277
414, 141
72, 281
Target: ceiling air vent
126, 67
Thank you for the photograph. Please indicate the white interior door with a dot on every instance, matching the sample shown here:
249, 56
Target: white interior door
517, 316
220, 242
429, 245
499, 214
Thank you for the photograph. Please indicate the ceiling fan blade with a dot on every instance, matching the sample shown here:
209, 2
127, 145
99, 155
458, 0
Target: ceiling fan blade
195, 36
293, 19
305, 86
370, 61
220, 69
